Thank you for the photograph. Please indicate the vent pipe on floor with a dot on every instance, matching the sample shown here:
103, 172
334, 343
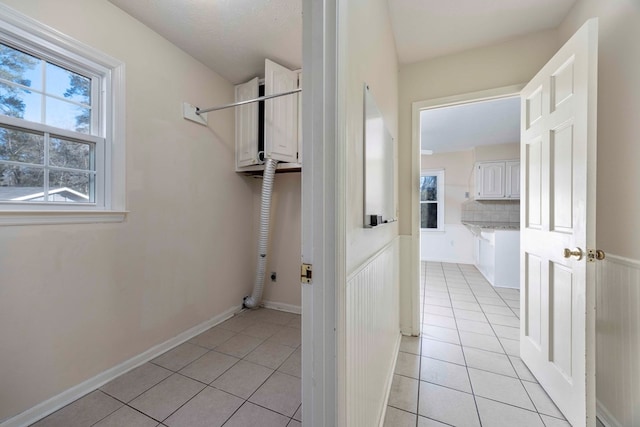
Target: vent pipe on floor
253, 301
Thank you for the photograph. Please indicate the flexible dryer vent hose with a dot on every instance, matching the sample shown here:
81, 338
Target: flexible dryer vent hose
263, 242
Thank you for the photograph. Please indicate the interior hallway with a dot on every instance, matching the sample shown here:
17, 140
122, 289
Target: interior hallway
244, 372
464, 370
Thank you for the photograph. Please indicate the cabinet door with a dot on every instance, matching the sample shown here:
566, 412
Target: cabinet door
513, 180
490, 180
280, 114
247, 125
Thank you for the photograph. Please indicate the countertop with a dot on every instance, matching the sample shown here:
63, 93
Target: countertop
493, 225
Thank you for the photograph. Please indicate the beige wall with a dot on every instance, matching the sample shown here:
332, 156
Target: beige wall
366, 349
487, 153
618, 203
371, 59
510, 63
76, 300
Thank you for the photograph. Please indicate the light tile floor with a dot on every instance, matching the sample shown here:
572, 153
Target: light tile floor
465, 369
243, 372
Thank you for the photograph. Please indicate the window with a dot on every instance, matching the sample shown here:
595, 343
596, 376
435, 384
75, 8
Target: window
61, 137
432, 200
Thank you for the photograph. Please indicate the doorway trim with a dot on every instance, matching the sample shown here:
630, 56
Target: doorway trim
416, 108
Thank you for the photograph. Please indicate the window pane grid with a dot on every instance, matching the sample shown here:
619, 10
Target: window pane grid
40, 92
74, 181
431, 199
58, 97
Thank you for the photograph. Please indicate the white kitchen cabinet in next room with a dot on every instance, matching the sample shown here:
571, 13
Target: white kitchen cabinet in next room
498, 180
498, 257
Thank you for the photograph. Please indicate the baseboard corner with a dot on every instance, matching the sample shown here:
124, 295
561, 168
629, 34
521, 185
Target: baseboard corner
289, 308
605, 417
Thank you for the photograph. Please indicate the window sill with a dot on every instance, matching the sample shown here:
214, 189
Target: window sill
432, 230
34, 217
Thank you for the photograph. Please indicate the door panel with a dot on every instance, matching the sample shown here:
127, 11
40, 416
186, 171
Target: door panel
280, 114
562, 84
533, 107
533, 179
561, 141
534, 299
558, 205
561, 297
247, 125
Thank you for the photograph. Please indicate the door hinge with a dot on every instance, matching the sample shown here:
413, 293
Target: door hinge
595, 254
306, 271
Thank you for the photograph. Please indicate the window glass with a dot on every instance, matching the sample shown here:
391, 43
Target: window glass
67, 84
428, 188
20, 182
429, 215
65, 115
37, 165
67, 186
20, 146
432, 200
70, 154
20, 68
67, 94
20, 103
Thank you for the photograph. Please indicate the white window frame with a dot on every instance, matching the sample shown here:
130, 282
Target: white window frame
439, 173
108, 130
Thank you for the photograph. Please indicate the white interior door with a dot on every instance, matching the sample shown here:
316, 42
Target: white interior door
557, 338
280, 114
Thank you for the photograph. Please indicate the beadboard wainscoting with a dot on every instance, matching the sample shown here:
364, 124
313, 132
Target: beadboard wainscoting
372, 335
618, 341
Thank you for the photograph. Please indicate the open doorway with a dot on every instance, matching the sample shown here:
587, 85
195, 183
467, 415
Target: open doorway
449, 136
468, 350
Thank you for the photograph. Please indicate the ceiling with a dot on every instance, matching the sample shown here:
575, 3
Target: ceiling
233, 38
427, 29
464, 126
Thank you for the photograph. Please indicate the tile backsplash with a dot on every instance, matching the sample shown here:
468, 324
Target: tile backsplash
491, 210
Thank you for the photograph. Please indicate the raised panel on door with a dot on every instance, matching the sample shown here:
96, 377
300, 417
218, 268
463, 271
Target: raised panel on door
558, 151
512, 189
247, 124
491, 180
280, 114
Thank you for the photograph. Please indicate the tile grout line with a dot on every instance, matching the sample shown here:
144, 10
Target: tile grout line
474, 289
511, 362
464, 356
108, 415
424, 297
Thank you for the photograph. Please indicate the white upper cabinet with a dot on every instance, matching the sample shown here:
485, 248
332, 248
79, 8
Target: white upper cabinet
512, 188
498, 180
490, 180
247, 125
280, 114
270, 128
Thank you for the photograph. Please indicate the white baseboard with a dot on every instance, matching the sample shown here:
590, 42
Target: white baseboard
605, 416
388, 382
51, 405
290, 308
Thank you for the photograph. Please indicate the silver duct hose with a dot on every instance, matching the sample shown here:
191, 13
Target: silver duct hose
265, 210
